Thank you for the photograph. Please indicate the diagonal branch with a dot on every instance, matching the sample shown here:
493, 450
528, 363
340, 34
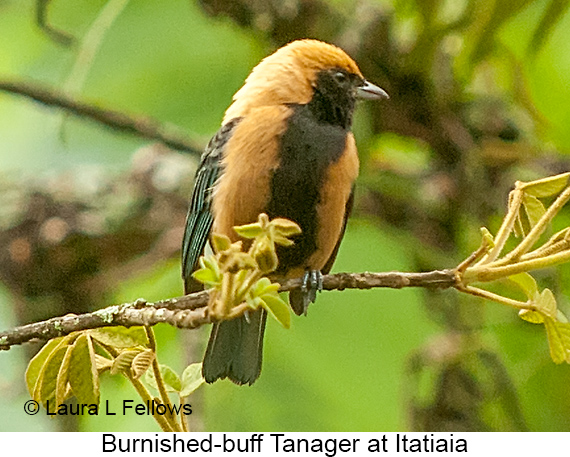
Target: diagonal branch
190, 311
142, 127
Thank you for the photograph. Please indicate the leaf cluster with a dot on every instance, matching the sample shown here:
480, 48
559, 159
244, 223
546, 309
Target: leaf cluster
237, 278
527, 219
71, 366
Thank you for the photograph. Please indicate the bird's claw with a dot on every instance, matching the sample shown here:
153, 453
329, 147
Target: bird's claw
312, 283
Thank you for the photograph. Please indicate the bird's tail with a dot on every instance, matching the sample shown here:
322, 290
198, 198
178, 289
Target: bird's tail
235, 349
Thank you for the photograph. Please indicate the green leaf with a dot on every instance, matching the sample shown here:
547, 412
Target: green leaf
123, 362
102, 363
121, 337
278, 308
264, 286
37, 363
546, 187
253, 302
45, 388
558, 334
171, 380
534, 209
559, 236
220, 242
285, 227
546, 303
83, 375
191, 379
62, 389
282, 241
487, 237
527, 283
561, 317
534, 317
206, 276
518, 228
209, 262
249, 230
142, 362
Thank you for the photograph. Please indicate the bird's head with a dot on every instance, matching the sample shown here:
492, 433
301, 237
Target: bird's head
299, 72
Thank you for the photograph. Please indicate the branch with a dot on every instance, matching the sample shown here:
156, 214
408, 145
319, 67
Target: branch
190, 311
142, 127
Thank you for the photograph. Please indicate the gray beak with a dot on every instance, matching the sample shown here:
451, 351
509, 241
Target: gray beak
369, 91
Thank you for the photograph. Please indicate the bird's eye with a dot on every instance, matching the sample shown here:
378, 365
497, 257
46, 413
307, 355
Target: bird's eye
340, 77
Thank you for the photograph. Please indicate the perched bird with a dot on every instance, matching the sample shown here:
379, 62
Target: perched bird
284, 148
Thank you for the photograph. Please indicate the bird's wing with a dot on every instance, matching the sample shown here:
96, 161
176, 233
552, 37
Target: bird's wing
199, 219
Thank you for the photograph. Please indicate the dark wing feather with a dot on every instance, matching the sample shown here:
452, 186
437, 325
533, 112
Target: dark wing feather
235, 347
199, 219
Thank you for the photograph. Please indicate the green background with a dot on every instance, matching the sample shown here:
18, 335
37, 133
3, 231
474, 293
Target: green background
341, 368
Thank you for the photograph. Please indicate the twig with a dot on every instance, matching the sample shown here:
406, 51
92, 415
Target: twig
90, 45
534, 234
144, 394
190, 311
42, 21
515, 200
169, 416
140, 126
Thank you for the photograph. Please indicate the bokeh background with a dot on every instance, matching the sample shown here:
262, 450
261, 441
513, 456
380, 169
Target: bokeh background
90, 216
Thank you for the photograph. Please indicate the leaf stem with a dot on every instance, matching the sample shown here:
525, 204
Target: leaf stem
515, 200
495, 270
539, 228
142, 391
160, 382
496, 298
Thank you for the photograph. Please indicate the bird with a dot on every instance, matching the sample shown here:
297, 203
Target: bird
285, 148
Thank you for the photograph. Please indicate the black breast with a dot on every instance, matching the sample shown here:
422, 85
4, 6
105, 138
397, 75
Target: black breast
308, 147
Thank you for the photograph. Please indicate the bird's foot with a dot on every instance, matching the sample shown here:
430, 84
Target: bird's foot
312, 283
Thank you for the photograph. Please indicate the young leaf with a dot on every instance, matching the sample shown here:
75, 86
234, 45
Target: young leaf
249, 230
37, 363
83, 375
102, 363
546, 187
45, 387
141, 362
534, 317
282, 241
518, 228
487, 237
123, 362
121, 337
264, 286
62, 385
191, 379
558, 339
277, 308
206, 276
527, 283
285, 227
546, 303
220, 242
534, 209
171, 380
209, 262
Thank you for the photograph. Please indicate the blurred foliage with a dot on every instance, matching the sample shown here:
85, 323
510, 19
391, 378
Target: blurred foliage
479, 91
